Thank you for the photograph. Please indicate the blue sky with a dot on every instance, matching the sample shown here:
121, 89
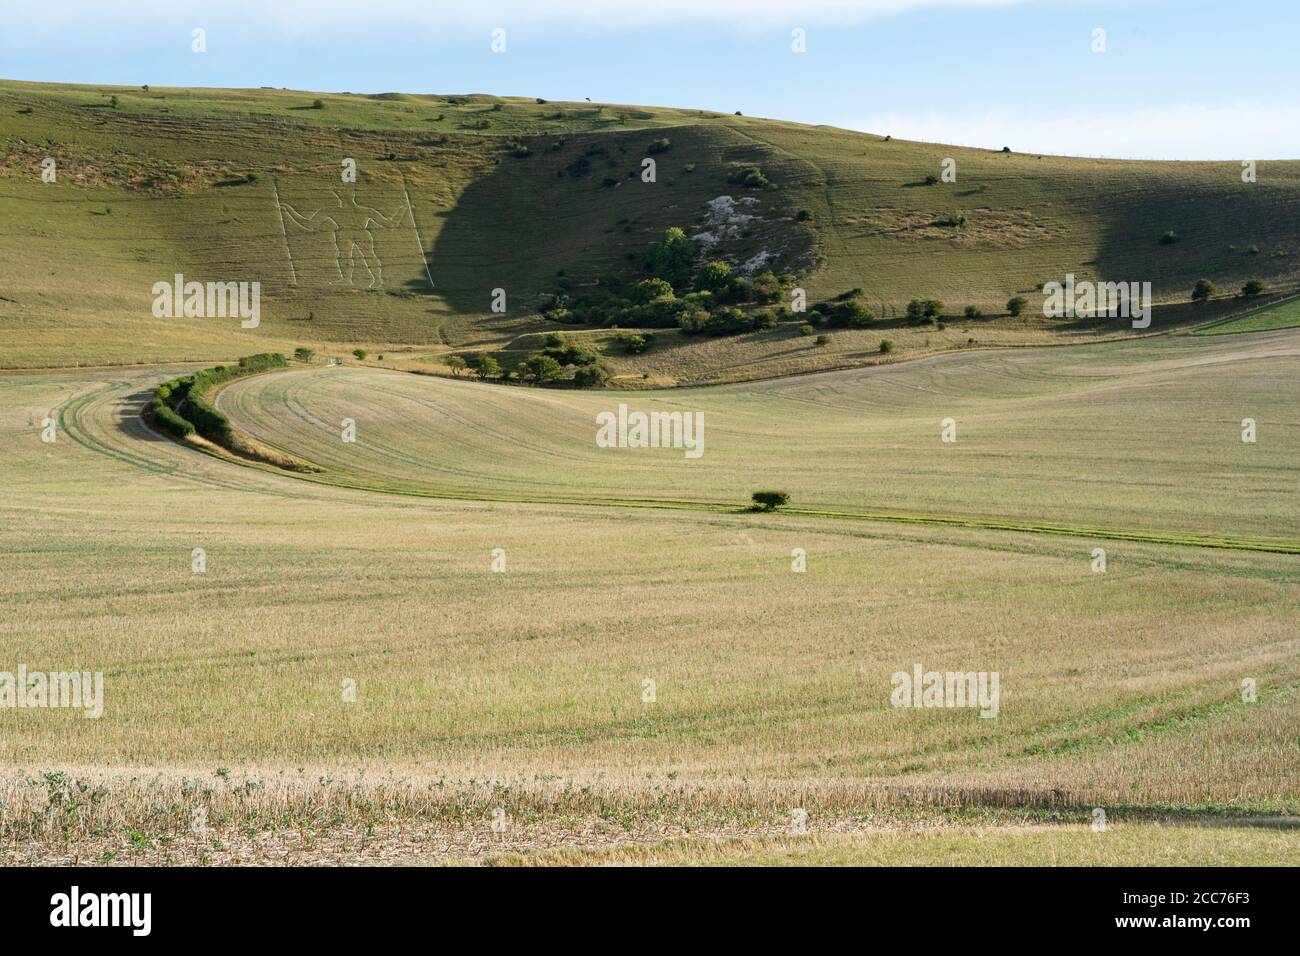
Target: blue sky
1179, 79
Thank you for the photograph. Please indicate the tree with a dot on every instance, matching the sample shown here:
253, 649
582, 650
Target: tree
303, 355
886, 346
973, 312
769, 500
671, 258
1016, 304
542, 368
1252, 289
455, 363
1203, 291
112, 102
318, 104
360, 354
487, 367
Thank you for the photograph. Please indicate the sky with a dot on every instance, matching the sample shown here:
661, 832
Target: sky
1178, 79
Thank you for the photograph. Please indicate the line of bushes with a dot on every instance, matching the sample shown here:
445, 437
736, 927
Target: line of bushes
179, 408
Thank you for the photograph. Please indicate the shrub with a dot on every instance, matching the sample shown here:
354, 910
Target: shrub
589, 376
487, 367
455, 363
886, 346
972, 312
317, 104
660, 145
647, 290
635, 344
1169, 238
713, 276
1252, 289
1203, 290
360, 354
303, 354
924, 310
1016, 304
769, 500
806, 329
750, 177
853, 315
541, 368
822, 340
803, 215
931, 179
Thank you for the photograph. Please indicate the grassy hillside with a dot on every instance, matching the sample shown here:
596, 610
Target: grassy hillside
480, 193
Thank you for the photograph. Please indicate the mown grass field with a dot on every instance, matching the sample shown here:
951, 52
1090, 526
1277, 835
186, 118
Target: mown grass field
1285, 315
524, 689
160, 184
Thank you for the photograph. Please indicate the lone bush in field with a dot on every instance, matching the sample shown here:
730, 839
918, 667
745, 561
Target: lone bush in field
360, 354
303, 355
1203, 290
886, 346
1252, 289
769, 500
456, 364
1016, 304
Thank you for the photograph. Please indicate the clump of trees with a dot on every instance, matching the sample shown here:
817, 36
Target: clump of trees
921, 311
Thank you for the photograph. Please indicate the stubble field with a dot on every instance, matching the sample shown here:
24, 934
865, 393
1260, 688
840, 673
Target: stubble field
525, 690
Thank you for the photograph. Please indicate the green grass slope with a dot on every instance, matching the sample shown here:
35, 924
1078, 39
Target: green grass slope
457, 196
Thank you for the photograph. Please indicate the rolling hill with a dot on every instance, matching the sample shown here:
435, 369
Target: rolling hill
458, 196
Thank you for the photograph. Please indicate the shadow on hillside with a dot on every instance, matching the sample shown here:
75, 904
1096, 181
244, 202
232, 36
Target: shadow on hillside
1210, 214
527, 218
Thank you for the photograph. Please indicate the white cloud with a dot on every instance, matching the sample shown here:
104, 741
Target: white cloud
1238, 131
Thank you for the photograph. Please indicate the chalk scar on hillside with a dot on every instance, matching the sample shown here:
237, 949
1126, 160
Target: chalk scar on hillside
351, 227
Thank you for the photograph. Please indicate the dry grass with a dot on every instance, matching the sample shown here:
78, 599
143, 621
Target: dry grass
523, 690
